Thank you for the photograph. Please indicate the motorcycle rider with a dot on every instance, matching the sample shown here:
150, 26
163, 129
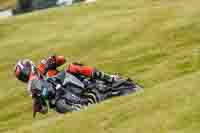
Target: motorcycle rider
48, 68
27, 72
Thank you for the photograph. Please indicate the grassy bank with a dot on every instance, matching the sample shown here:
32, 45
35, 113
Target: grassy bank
154, 42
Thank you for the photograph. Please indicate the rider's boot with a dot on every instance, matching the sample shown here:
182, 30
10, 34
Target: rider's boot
91, 72
104, 76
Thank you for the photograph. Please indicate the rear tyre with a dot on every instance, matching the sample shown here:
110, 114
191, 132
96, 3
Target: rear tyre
128, 87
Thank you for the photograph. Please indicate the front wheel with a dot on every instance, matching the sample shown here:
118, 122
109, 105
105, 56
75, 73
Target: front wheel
63, 107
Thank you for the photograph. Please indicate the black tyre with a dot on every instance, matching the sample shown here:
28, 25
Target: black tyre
127, 87
62, 106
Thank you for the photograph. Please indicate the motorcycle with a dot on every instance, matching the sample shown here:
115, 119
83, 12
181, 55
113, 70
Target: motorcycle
75, 92
91, 90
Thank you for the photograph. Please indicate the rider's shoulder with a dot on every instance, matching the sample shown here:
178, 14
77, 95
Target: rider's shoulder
34, 84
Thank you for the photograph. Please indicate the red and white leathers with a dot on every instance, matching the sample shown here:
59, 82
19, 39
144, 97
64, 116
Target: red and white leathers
48, 68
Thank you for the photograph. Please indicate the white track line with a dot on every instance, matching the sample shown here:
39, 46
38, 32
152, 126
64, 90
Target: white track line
90, 1
6, 13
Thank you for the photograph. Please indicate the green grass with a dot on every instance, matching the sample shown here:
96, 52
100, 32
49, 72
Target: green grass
155, 42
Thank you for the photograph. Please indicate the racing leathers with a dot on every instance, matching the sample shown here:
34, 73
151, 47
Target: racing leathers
48, 68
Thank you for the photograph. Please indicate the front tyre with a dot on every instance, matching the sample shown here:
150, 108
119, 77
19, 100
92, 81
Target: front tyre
63, 107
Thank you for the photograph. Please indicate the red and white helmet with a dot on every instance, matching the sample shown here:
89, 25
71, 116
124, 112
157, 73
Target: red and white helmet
23, 70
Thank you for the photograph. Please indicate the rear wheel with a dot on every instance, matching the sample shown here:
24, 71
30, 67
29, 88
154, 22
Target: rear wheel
127, 87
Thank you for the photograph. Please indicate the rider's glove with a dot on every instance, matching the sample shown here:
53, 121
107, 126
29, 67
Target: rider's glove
51, 63
39, 106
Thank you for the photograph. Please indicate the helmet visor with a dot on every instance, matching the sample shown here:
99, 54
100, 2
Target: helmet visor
24, 75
